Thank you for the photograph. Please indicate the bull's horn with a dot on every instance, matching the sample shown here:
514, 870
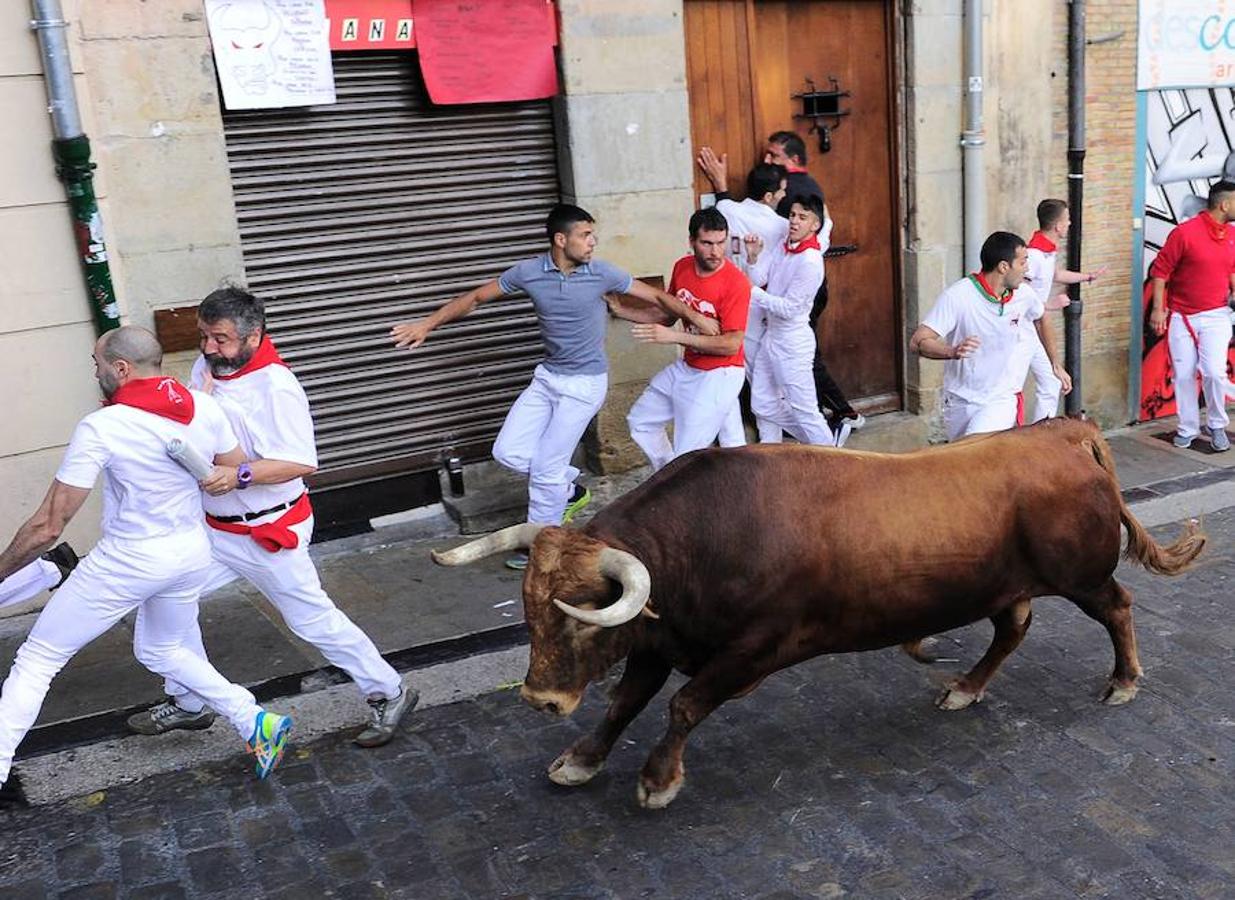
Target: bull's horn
514, 537
625, 569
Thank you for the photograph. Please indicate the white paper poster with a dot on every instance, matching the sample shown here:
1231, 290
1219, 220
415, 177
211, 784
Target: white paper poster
271, 53
1185, 43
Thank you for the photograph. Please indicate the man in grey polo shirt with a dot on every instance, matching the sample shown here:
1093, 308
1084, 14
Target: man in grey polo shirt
571, 293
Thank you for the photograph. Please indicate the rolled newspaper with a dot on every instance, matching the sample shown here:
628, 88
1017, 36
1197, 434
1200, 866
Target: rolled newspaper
194, 463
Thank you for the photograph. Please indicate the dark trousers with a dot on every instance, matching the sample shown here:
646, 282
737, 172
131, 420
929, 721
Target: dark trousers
826, 389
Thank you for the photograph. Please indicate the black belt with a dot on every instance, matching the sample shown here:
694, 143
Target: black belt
249, 517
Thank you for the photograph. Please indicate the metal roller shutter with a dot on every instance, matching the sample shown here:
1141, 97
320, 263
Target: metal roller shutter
378, 209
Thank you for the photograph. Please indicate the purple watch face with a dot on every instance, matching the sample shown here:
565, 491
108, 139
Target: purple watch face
244, 475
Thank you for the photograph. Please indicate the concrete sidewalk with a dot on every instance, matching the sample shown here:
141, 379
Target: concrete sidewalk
421, 615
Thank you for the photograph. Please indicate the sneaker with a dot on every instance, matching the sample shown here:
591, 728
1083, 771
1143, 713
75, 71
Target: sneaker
167, 716
64, 558
385, 718
579, 499
1219, 440
856, 420
12, 794
518, 562
1183, 443
269, 741
842, 432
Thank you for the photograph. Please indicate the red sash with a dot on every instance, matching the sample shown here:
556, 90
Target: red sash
271, 536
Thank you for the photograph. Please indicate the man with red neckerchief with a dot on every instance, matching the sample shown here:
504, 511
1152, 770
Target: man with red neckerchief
1196, 269
260, 519
153, 557
782, 389
979, 325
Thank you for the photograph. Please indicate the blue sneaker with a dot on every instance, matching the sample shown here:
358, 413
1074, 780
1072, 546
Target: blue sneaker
269, 741
1183, 443
1219, 440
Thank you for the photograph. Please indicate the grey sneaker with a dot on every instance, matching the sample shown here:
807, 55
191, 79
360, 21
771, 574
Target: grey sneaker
167, 716
1183, 443
518, 561
1219, 440
385, 716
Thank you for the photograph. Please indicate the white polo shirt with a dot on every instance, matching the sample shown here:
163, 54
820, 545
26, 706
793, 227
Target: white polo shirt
146, 494
1041, 275
961, 311
269, 412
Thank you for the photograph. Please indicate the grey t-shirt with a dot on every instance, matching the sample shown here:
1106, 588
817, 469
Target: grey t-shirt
571, 309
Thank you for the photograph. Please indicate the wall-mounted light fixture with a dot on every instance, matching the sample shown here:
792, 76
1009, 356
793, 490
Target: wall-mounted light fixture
823, 109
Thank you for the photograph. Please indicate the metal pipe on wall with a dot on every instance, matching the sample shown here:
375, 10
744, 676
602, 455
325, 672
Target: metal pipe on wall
71, 151
973, 138
1076, 197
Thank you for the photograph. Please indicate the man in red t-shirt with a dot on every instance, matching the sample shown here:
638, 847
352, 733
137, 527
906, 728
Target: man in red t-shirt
696, 392
1196, 269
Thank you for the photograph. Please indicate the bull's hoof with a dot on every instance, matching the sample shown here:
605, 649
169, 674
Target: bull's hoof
953, 698
658, 799
1119, 694
568, 771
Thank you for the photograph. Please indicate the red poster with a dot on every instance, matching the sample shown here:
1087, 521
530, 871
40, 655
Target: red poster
478, 51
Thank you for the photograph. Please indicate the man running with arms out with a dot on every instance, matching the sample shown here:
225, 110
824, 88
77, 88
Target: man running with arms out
153, 557
260, 521
1196, 269
978, 325
568, 289
698, 391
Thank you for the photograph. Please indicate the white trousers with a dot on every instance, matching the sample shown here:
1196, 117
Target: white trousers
289, 580
964, 417
540, 435
696, 401
782, 391
28, 581
732, 432
1047, 388
162, 580
1208, 354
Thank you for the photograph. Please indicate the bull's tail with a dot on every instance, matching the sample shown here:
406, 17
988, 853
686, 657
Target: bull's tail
1142, 548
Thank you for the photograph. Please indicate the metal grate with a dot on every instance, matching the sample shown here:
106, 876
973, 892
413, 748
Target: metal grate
378, 209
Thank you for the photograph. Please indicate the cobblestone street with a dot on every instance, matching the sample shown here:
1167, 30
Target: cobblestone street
837, 778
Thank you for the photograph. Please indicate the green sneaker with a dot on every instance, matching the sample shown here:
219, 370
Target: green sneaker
579, 499
269, 741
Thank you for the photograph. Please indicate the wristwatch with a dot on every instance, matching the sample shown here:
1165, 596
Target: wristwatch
244, 476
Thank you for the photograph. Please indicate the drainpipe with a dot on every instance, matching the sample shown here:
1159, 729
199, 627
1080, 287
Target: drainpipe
71, 150
1076, 197
973, 138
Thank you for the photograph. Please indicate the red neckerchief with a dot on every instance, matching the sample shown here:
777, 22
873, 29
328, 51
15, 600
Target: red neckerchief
794, 167
163, 396
810, 243
264, 355
988, 294
1217, 230
1039, 241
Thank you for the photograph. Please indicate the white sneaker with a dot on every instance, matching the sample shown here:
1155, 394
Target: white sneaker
856, 424
842, 432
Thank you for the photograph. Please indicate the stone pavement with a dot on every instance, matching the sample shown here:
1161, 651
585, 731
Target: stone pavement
836, 778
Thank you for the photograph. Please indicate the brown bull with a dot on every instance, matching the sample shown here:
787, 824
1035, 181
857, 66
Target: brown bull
731, 564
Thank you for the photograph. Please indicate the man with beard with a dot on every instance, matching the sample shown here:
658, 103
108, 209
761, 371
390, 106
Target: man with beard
572, 292
980, 325
697, 392
260, 520
154, 555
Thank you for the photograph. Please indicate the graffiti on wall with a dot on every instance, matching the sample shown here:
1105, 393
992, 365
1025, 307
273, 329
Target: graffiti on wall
1190, 137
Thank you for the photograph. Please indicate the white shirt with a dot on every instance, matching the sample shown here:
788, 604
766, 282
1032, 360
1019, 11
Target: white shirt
961, 311
269, 412
793, 279
1041, 275
146, 494
751, 217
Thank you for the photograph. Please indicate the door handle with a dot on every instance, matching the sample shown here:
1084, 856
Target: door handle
841, 250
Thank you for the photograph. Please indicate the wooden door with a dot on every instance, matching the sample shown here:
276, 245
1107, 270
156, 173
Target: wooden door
745, 60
